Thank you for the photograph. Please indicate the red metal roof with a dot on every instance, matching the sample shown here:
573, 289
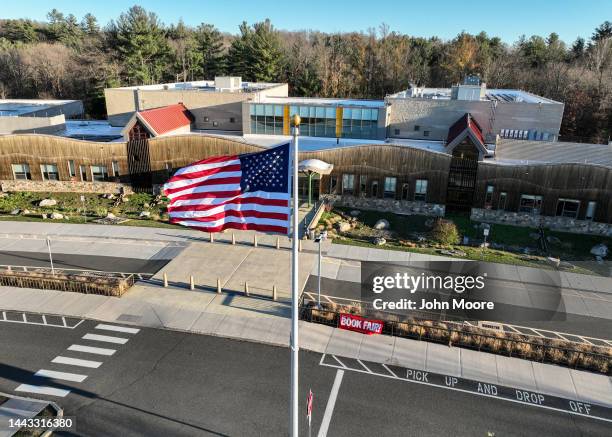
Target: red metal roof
460, 126
167, 118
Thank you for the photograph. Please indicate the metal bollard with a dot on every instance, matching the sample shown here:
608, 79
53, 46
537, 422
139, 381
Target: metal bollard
246, 288
219, 290
212, 237
278, 242
255, 240
165, 280
274, 293
233, 239
299, 245
191, 283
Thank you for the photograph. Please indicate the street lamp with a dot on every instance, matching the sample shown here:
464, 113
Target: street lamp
318, 239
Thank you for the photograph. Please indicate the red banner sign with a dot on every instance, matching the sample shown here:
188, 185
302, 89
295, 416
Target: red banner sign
360, 324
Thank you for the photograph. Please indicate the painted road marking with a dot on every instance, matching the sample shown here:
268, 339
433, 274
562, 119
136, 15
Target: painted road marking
486, 389
118, 328
74, 377
331, 402
91, 350
106, 338
42, 390
76, 362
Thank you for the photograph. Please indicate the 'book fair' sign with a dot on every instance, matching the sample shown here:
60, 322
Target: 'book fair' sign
360, 324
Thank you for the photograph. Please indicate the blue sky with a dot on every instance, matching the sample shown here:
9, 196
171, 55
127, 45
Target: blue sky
444, 18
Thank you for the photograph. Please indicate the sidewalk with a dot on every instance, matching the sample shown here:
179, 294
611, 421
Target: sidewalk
264, 321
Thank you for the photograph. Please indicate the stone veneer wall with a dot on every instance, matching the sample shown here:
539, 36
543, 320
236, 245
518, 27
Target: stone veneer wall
565, 224
64, 186
387, 205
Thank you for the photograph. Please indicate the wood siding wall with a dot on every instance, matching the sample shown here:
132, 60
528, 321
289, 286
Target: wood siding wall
573, 181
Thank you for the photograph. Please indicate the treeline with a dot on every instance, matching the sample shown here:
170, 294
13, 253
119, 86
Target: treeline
69, 58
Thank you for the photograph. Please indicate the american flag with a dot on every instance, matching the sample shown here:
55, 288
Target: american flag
249, 191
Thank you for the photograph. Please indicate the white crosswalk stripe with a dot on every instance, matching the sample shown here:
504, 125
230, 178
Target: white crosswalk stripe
76, 362
118, 328
42, 390
106, 338
74, 377
91, 350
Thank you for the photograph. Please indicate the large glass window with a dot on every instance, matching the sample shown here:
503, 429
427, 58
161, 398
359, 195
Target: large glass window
49, 172
568, 208
333, 183
530, 203
348, 183
21, 171
99, 173
420, 190
390, 185
503, 198
359, 122
489, 196
363, 179
71, 169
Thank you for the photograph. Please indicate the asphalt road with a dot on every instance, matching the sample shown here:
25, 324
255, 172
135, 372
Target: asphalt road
596, 327
84, 262
165, 383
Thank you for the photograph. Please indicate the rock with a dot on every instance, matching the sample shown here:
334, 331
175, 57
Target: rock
125, 199
343, 226
26, 212
16, 211
44, 216
48, 202
144, 214
57, 216
381, 224
379, 241
555, 262
600, 250
553, 240
599, 259
146, 205
110, 215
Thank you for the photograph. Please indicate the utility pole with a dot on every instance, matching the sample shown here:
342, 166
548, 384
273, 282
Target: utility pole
294, 430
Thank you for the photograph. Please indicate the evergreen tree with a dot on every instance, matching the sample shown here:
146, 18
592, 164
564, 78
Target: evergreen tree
141, 45
19, 31
186, 56
237, 56
89, 24
210, 45
264, 53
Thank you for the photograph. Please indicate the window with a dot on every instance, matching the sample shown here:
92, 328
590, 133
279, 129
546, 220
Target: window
348, 183
83, 171
568, 208
362, 184
215, 123
417, 128
420, 190
390, 184
49, 172
206, 119
396, 131
333, 183
21, 171
115, 169
503, 198
374, 188
405, 191
590, 211
489, 196
530, 203
71, 169
168, 169
99, 173
425, 133
232, 120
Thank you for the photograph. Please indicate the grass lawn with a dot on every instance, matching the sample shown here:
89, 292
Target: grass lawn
572, 247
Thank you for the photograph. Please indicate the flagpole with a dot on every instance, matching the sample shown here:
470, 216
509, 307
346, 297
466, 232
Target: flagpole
294, 284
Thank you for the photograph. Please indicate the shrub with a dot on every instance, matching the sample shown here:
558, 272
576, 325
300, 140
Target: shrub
445, 232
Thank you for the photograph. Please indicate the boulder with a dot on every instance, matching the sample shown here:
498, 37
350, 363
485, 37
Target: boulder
16, 211
125, 199
343, 226
146, 205
381, 224
144, 214
44, 216
355, 213
379, 241
48, 202
600, 250
25, 212
110, 215
555, 262
57, 216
